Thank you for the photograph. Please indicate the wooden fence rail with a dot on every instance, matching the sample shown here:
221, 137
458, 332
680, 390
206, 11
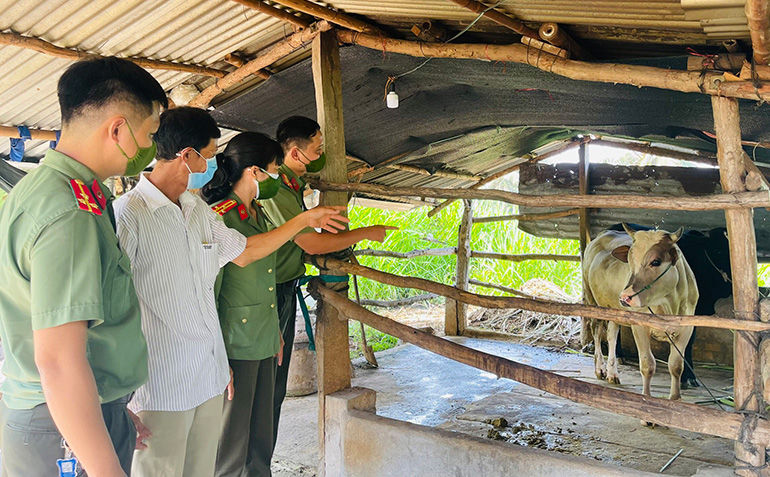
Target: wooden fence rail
690, 417
623, 317
736, 200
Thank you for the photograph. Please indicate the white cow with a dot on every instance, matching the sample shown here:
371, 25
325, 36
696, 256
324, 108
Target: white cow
644, 271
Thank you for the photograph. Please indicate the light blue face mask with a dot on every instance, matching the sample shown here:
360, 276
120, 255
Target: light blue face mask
196, 180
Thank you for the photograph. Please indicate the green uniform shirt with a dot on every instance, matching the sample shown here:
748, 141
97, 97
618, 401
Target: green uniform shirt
61, 264
286, 205
246, 300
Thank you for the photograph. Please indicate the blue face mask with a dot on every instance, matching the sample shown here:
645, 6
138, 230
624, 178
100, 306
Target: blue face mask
196, 180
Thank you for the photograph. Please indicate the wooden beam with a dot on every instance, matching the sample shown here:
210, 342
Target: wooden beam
665, 412
736, 200
526, 217
714, 84
455, 314
507, 171
332, 354
42, 46
647, 148
428, 252
623, 317
439, 173
512, 291
237, 61
749, 457
497, 17
37, 134
584, 190
410, 300
264, 59
333, 16
263, 7
523, 257
758, 15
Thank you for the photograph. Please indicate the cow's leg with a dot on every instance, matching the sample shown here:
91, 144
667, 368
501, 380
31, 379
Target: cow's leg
646, 359
613, 330
676, 361
688, 375
599, 369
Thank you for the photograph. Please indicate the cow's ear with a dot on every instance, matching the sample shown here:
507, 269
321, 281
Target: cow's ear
621, 253
673, 255
677, 235
629, 231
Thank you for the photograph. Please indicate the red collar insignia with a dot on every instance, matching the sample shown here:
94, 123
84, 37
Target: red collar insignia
97, 190
293, 184
242, 212
83, 197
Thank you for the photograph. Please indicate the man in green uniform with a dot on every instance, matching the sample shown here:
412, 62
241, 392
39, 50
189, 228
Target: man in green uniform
302, 144
69, 316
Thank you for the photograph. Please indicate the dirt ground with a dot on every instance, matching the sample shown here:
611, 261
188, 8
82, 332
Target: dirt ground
417, 386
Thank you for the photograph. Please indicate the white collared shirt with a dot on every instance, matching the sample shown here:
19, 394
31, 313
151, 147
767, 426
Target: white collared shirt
176, 254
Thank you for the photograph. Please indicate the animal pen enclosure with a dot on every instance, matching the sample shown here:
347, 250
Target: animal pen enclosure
474, 113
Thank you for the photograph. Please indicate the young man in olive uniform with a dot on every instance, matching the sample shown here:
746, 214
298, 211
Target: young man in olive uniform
302, 144
69, 316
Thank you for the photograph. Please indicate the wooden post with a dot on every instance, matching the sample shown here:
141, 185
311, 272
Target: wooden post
583, 185
333, 358
743, 257
455, 317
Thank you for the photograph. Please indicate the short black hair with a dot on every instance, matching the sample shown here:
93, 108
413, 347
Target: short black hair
296, 131
184, 127
96, 82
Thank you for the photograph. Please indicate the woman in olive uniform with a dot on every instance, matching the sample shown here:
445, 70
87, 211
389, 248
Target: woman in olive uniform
246, 301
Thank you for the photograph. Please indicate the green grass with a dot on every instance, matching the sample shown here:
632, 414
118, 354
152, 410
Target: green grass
415, 226
378, 340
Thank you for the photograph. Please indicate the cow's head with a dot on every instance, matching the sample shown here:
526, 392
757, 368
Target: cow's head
652, 257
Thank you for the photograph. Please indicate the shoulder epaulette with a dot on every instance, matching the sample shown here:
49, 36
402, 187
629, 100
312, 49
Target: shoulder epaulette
84, 197
224, 207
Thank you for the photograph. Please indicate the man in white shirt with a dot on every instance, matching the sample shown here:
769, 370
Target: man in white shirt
177, 245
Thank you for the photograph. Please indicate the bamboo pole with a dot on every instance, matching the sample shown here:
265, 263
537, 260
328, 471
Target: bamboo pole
333, 16
758, 15
42, 46
410, 300
665, 412
506, 171
455, 315
658, 151
675, 80
428, 252
736, 200
264, 59
743, 259
555, 35
526, 217
439, 173
512, 291
37, 134
237, 61
263, 7
623, 317
498, 17
332, 352
525, 256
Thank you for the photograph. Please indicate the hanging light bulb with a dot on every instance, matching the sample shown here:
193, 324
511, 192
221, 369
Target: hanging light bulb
391, 98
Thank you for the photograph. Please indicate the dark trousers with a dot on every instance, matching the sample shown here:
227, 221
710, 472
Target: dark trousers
287, 315
246, 441
31, 443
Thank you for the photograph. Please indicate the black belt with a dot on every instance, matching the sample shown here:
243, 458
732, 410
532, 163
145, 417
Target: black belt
121, 400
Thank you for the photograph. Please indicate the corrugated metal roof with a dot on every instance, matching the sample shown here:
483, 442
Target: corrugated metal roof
203, 31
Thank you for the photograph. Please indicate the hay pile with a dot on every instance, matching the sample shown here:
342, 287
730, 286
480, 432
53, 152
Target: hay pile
533, 327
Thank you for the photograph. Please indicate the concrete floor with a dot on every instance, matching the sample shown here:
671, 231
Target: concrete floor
420, 387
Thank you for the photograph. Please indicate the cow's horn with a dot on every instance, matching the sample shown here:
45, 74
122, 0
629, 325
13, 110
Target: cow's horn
629, 230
